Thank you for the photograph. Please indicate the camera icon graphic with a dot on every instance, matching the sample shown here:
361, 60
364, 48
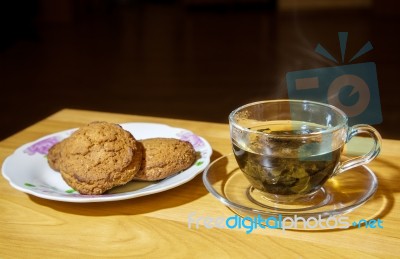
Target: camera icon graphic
353, 88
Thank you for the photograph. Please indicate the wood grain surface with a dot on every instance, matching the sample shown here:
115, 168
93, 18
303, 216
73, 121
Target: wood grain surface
157, 225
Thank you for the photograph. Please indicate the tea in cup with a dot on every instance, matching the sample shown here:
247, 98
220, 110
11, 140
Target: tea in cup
288, 149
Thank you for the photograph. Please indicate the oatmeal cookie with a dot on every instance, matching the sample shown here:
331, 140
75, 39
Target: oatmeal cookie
163, 157
98, 157
54, 156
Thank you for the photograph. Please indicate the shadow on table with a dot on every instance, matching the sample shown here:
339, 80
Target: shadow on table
175, 197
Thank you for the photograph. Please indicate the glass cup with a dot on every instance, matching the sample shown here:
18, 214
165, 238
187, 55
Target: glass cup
288, 149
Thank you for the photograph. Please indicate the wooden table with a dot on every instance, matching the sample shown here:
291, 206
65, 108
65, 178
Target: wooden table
157, 225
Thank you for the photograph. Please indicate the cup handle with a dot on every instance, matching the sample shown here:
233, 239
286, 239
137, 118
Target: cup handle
368, 157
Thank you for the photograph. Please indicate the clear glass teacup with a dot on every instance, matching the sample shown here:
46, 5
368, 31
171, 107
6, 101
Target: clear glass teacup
288, 149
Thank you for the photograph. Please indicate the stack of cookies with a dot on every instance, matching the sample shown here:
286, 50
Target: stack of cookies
102, 155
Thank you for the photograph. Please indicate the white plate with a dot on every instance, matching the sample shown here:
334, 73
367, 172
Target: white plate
27, 169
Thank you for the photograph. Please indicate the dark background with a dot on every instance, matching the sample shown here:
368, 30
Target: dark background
190, 59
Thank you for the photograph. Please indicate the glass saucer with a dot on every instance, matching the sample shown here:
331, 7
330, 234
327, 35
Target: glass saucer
340, 194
